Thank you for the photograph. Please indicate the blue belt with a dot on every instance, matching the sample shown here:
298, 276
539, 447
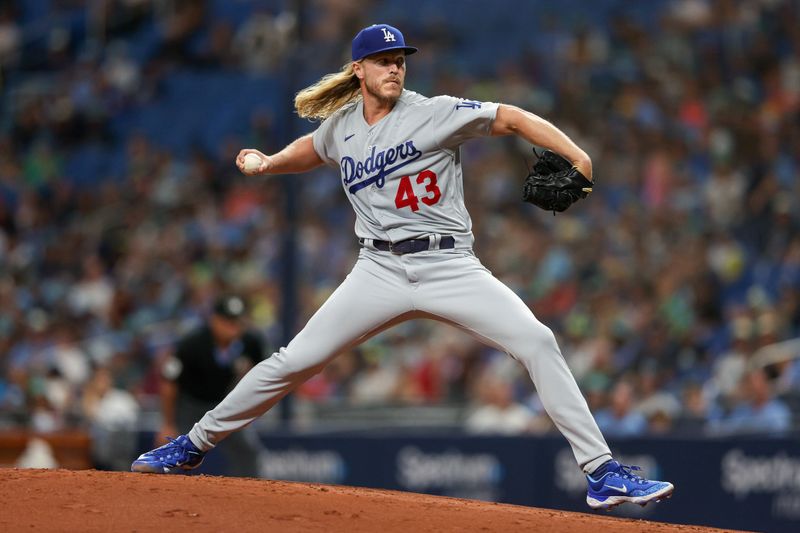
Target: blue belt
411, 246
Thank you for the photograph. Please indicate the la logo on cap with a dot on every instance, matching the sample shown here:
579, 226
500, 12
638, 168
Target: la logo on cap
387, 35
378, 38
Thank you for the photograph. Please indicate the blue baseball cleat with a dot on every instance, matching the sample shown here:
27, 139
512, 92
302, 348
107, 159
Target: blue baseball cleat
619, 484
177, 454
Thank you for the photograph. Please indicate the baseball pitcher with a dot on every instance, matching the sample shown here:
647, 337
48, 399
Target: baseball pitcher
397, 153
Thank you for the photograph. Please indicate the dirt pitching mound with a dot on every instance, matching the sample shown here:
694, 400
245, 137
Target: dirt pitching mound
88, 500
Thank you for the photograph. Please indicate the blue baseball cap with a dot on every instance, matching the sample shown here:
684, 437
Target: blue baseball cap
379, 38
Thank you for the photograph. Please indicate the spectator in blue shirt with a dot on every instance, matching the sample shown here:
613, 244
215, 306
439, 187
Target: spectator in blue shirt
620, 419
760, 412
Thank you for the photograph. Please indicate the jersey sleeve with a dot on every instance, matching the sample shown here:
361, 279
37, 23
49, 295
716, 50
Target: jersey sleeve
324, 143
457, 120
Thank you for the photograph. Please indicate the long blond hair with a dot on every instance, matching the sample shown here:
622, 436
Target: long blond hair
321, 100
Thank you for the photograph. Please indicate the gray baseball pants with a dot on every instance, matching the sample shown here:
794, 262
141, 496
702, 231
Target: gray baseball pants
384, 289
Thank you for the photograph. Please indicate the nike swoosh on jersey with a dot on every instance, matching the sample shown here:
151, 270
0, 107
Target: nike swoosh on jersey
623, 488
347, 138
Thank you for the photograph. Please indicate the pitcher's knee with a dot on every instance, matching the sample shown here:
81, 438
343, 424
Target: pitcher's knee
538, 342
543, 337
294, 365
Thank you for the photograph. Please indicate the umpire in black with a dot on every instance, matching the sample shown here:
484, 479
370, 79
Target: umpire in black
204, 367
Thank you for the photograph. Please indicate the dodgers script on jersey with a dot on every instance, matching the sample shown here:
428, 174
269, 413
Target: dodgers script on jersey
403, 173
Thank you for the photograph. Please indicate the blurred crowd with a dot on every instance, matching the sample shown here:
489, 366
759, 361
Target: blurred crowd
663, 288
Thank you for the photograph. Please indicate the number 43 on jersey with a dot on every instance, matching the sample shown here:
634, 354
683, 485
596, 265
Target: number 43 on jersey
406, 197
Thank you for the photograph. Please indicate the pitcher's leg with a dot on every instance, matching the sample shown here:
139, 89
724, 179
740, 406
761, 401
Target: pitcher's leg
468, 295
368, 299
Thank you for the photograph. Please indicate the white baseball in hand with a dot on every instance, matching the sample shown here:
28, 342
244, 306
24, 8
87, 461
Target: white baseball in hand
252, 162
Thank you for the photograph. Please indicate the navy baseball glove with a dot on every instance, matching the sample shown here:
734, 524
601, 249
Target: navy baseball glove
554, 184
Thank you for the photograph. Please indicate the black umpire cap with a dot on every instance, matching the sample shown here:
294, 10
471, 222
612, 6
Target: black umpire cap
230, 307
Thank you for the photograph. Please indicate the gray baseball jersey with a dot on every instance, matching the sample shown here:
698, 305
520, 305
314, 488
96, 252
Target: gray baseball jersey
403, 178
402, 174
